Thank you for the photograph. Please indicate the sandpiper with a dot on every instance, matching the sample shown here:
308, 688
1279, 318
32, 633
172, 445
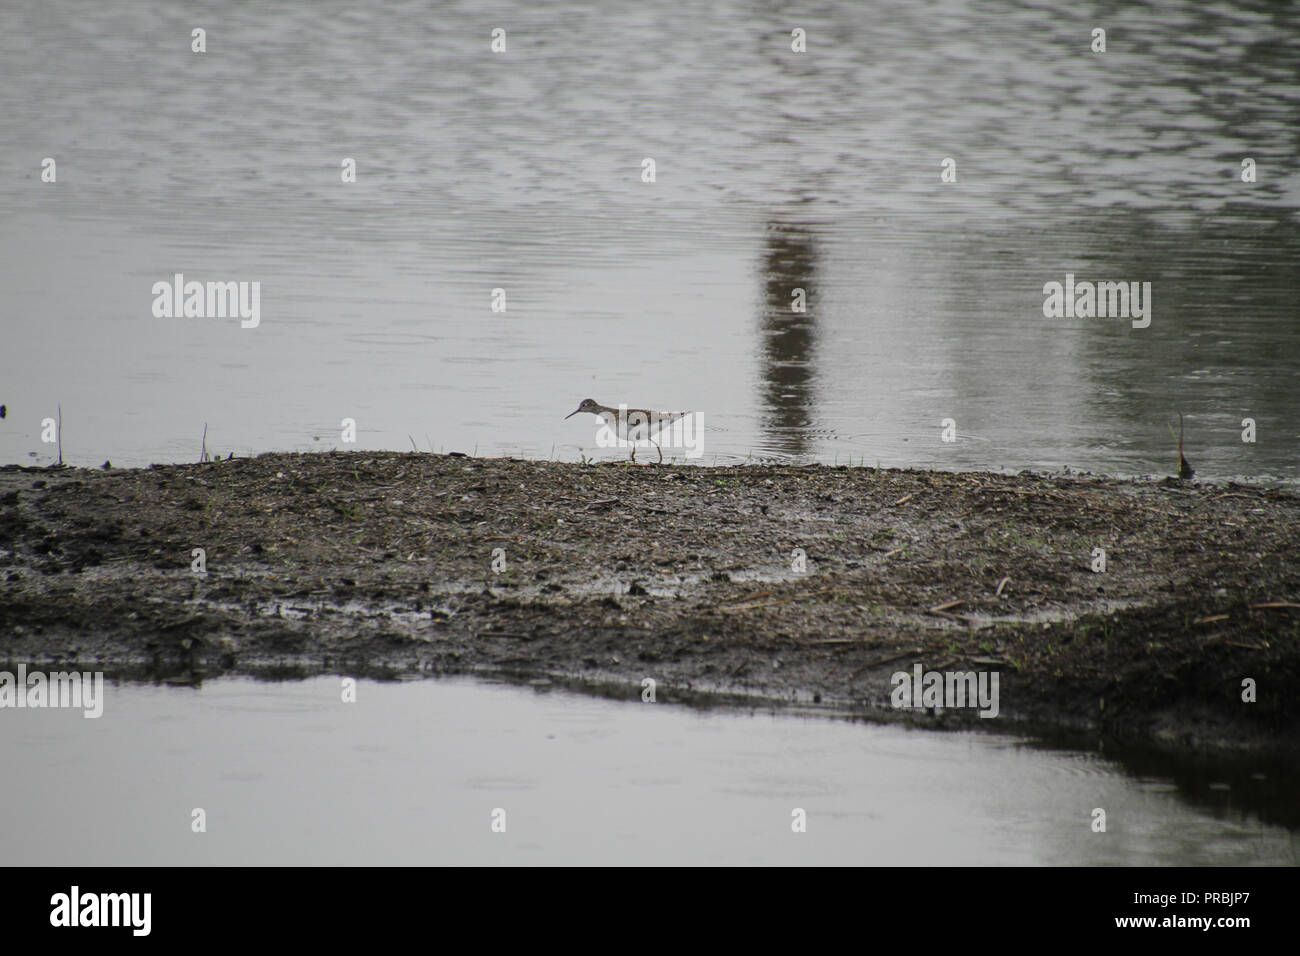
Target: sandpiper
630, 424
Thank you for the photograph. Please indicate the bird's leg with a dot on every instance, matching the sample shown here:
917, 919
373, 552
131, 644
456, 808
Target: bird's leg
661, 451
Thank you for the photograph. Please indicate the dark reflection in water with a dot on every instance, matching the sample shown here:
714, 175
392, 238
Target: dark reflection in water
788, 337
1244, 786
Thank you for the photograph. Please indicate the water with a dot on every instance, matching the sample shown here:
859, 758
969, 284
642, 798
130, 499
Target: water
775, 171
412, 772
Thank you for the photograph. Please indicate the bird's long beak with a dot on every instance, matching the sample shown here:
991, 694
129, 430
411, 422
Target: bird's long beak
572, 413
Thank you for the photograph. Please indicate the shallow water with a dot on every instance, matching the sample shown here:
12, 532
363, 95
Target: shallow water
775, 171
412, 771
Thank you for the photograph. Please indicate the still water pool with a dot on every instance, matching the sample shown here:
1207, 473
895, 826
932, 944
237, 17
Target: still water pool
411, 773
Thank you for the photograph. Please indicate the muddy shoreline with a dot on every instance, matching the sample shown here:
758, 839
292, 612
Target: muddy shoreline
386, 564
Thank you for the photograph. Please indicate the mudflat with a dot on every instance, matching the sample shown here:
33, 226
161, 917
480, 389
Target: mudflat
804, 585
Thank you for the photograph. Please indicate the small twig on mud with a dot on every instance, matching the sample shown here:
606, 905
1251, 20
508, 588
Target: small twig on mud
940, 608
753, 597
750, 607
1278, 604
746, 606
885, 660
1212, 619
970, 620
1001, 584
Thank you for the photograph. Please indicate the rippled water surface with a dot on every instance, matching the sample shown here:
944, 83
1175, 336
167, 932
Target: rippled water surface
411, 774
775, 171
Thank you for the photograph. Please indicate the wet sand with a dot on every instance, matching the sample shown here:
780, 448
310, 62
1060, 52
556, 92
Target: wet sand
608, 574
